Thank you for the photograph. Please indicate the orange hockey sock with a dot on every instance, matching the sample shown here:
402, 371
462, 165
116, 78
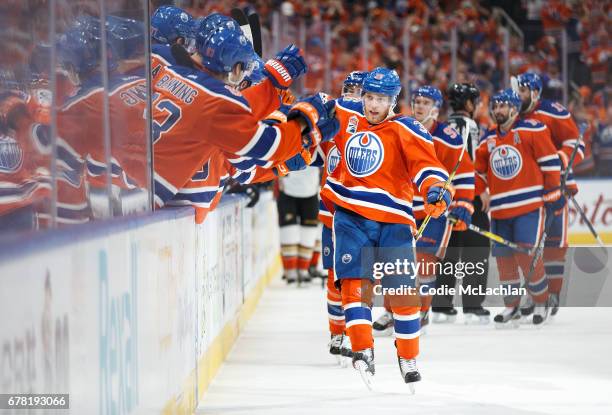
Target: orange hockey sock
537, 284
509, 278
335, 312
407, 324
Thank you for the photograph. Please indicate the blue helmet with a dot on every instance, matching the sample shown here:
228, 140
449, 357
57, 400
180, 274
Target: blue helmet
225, 47
382, 81
507, 96
531, 80
126, 36
431, 92
168, 23
211, 22
355, 78
80, 47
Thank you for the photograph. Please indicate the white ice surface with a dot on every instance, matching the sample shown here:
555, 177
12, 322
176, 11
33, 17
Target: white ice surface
280, 365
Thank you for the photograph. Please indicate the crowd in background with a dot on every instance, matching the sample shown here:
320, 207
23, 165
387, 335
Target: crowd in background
480, 42
26, 65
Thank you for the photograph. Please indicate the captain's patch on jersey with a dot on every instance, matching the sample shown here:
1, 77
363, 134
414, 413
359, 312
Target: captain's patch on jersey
352, 124
506, 162
364, 153
333, 158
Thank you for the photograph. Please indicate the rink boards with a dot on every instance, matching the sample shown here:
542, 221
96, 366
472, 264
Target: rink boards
595, 199
133, 316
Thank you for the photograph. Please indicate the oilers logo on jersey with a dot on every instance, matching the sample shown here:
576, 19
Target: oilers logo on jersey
364, 153
11, 155
506, 162
333, 158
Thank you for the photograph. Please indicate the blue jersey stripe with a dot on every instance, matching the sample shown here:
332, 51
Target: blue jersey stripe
516, 198
375, 198
264, 143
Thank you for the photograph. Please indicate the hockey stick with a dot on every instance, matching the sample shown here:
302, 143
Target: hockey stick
254, 25
444, 189
577, 205
537, 253
587, 221
239, 16
494, 237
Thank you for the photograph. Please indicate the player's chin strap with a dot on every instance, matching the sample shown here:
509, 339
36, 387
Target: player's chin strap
433, 114
535, 97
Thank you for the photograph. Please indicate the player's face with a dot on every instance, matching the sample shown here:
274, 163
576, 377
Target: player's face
525, 94
501, 112
351, 91
422, 107
376, 107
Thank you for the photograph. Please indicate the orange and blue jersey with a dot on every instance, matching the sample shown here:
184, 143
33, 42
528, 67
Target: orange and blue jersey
517, 167
25, 148
563, 130
263, 98
379, 165
196, 114
205, 188
448, 145
331, 155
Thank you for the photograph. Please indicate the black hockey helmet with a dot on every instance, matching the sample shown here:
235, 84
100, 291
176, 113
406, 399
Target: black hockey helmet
459, 94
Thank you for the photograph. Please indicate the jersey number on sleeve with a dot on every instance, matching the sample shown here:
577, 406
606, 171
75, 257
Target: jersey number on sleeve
174, 115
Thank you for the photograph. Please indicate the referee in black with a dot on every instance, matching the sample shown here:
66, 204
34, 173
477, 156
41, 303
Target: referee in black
465, 246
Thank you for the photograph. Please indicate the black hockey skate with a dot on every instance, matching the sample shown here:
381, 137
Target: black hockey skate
540, 313
383, 326
345, 349
363, 361
476, 315
304, 278
409, 372
507, 318
553, 304
444, 314
335, 347
527, 307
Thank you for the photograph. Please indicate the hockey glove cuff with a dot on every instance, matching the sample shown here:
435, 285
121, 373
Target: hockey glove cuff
438, 199
461, 211
295, 163
554, 201
287, 66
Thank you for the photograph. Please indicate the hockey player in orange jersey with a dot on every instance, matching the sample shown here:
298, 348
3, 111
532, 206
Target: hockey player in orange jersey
340, 343
80, 54
381, 156
565, 135
204, 190
198, 110
431, 247
517, 176
25, 171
